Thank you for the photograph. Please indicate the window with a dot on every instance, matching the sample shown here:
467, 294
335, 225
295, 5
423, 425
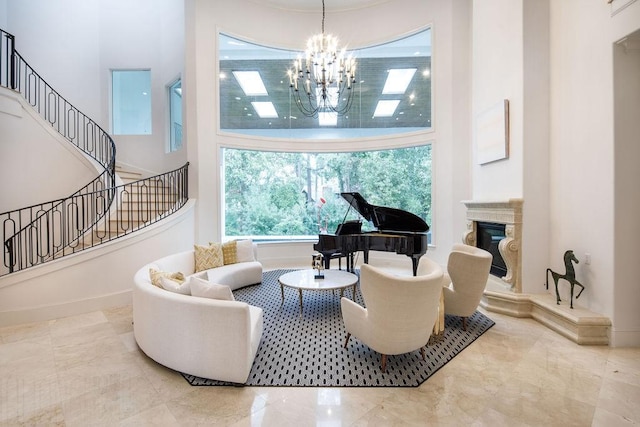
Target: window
131, 102
279, 195
175, 116
392, 96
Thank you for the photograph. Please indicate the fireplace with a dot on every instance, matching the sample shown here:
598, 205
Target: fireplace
496, 226
489, 236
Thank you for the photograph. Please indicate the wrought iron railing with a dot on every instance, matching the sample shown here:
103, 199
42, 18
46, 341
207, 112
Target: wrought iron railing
67, 120
51, 230
7, 51
91, 215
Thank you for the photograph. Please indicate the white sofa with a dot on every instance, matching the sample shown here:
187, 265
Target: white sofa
205, 337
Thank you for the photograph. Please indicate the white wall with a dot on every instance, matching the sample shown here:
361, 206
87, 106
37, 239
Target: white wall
627, 196
59, 40
535, 143
510, 61
38, 164
498, 75
288, 29
74, 44
583, 153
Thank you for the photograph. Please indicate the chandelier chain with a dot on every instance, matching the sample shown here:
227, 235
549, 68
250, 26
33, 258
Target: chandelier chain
322, 16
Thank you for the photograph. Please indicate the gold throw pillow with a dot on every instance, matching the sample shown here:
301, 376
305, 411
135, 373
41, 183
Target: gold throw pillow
207, 257
230, 252
155, 276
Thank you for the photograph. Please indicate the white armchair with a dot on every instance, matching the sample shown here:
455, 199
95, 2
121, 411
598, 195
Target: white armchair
400, 313
468, 269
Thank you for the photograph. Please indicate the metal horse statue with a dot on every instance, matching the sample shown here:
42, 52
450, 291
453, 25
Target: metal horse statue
569, 276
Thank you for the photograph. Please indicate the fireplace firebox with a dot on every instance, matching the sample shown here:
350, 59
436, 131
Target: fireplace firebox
489, 237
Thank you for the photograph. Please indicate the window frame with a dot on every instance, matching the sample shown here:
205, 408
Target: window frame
171, 145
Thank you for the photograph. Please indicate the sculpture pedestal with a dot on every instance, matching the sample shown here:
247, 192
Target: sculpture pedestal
578, 324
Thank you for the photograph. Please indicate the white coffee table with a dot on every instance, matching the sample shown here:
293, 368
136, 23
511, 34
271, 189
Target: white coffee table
305, 280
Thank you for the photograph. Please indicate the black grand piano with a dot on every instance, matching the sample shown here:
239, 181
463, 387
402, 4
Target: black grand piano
397, 231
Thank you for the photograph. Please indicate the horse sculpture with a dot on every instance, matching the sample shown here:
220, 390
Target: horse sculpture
569, 276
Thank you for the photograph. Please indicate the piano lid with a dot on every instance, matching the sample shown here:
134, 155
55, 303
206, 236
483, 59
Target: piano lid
385, 218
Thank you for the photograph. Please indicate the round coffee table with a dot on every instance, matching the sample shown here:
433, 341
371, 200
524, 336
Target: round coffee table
305, 280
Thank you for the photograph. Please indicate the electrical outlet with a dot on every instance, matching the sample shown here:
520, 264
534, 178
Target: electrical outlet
587, 259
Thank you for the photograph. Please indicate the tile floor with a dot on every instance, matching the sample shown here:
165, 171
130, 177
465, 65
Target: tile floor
87, 370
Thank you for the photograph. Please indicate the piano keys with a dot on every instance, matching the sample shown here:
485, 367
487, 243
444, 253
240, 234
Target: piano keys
397, 231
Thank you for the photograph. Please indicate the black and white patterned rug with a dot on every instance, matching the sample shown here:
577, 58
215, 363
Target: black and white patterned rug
309, 351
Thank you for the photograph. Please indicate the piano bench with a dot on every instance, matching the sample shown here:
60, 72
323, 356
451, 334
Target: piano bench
334, 255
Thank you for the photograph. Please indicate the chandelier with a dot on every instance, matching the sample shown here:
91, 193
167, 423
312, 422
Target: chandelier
322, 80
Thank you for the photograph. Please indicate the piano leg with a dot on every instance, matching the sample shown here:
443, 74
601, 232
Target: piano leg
350, 266
327, 260
352, 261
414, 262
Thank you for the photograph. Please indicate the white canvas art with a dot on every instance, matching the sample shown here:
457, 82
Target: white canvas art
492, 133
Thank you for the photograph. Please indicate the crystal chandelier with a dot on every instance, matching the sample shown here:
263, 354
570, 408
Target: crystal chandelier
322, 81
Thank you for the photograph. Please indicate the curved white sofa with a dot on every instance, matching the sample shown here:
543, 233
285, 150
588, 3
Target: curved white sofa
205, 337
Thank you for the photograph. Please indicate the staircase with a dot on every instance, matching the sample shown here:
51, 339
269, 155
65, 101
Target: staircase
98, 212
140, 201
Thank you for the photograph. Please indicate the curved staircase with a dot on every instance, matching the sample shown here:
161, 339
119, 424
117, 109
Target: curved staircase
78, 254
98, 212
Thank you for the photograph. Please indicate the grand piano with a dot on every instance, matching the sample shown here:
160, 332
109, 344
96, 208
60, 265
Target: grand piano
397, 231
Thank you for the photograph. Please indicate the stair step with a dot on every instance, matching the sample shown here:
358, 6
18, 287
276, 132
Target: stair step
151, 207
148, 197
150, 188
129, 175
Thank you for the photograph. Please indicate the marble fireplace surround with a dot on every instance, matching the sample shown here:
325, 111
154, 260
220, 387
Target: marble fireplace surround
504, 294
509, 213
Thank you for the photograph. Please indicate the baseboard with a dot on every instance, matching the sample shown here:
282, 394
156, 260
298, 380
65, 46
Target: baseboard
624, 338
41, 314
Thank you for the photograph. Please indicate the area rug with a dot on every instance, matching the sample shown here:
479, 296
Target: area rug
308, 351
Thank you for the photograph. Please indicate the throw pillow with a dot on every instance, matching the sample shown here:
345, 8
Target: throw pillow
183, 288
244, 250
155, 276
230, 252
205, 289
207, 257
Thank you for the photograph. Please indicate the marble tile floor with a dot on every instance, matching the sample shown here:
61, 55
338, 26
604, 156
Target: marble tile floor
87, 370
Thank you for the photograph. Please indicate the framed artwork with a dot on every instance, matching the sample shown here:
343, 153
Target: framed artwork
492, 133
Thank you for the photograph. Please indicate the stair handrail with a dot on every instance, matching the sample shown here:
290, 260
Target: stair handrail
77, 128
63, 227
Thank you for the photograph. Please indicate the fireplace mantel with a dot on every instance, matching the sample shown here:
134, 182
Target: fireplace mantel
509, 213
